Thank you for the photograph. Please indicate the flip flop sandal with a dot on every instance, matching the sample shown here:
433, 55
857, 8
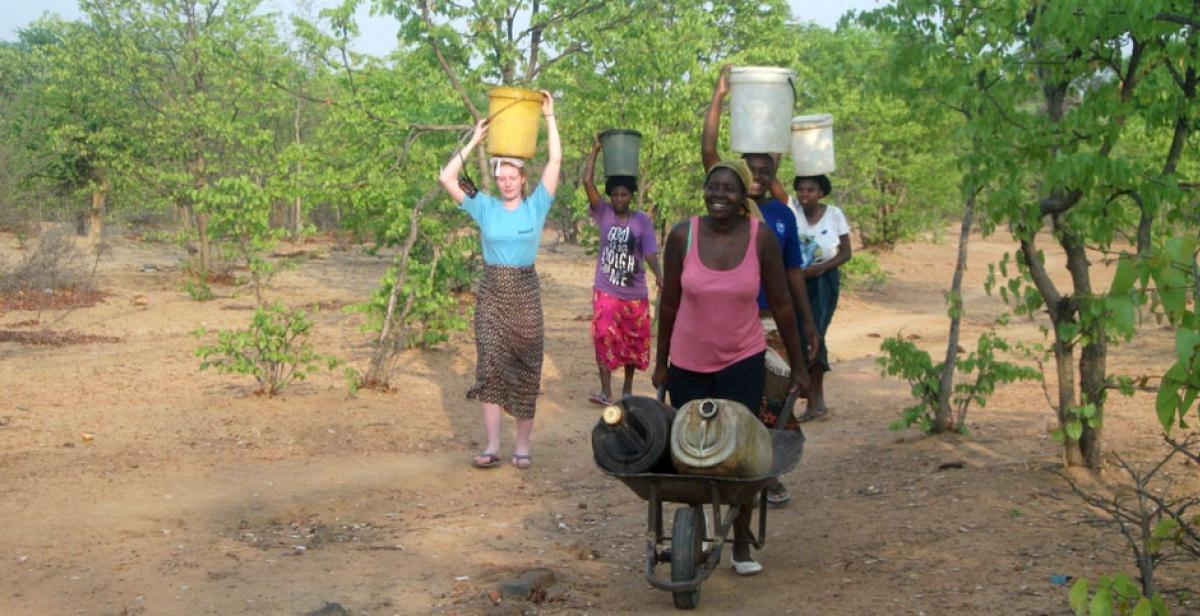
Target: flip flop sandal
485, 460
522, 462
812, 414
599, 398
778, 497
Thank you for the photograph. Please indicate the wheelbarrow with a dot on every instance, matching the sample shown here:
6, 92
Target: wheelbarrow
692, 554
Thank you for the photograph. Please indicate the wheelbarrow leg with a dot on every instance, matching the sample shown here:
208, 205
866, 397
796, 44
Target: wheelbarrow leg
761, 539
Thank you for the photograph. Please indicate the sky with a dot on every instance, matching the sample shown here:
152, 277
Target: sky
377, 34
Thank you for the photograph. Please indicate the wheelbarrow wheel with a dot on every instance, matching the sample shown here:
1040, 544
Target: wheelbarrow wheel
687, 539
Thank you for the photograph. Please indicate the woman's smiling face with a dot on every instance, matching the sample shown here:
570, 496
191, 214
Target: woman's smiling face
724, 195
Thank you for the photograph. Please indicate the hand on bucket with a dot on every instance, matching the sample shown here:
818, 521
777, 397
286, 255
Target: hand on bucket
547, 104
722, 88
481, 130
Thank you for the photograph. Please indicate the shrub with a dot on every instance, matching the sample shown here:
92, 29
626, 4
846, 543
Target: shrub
1114, 596
53, 263
197, 289
274, 348
862, 273
904, 359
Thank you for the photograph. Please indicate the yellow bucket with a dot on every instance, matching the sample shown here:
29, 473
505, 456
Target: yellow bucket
514, 126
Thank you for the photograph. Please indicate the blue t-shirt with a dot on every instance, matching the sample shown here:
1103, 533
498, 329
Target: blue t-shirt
510, 237
779, 217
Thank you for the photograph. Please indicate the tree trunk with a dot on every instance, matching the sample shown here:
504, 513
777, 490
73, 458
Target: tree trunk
96, 216
183, 213
387, 343
297, 212
941, 420
205, 245
1064, 356
1094, 354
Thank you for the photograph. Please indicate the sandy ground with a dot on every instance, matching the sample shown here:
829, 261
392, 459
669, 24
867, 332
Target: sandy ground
195, 496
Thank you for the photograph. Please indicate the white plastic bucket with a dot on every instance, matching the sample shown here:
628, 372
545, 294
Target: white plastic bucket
812, 144
760, 109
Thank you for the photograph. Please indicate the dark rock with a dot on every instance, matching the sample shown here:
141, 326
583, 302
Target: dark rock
330, 609
533, 583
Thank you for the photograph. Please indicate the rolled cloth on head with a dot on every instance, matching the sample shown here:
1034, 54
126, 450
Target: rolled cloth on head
742, 170
505, 160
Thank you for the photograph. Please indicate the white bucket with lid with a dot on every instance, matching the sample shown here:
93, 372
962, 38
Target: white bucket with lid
812, 144
760, 108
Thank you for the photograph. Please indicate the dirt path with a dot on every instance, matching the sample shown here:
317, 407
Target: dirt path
195, 497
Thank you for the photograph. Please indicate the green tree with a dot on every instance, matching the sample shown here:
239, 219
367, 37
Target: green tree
1079, 115
202, 74
897, 169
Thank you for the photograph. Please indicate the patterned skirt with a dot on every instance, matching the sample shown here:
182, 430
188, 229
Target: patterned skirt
508, 340
620, 331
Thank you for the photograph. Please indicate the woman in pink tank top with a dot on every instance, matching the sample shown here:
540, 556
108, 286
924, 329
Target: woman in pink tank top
710, 338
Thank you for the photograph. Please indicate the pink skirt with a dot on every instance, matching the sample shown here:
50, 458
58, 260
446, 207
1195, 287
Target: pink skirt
621, 331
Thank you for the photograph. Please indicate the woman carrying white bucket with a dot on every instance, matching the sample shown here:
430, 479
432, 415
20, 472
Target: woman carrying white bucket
825, 237
508, 315
775, 213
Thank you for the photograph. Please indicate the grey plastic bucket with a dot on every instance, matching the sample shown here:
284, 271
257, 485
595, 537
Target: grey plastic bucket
621, 151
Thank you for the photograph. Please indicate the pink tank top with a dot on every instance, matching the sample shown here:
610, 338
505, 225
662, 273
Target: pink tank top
717, 324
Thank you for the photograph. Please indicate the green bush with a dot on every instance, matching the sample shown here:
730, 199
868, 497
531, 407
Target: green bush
862, 273
1115, 596
274, 348
905, 360
197, 289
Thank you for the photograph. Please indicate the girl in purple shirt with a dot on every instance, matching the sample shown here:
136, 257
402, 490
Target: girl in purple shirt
620, 299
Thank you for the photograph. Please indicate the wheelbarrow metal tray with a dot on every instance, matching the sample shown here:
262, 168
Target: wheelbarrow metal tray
786, 447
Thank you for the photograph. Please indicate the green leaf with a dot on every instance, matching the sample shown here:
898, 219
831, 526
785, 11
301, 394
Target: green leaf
1124, 278
1185, 344
1078, 596
1101, 604
1074, 429
1122, 312
1166, 401
1142, 608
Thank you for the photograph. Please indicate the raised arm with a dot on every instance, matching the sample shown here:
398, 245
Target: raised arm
589, 172
449, 174
712, 121
668, 301
776, 187
553, 146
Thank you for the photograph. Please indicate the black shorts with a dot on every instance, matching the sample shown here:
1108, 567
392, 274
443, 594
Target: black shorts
741, 382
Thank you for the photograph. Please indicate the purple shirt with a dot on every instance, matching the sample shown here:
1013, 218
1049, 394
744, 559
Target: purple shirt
623, 246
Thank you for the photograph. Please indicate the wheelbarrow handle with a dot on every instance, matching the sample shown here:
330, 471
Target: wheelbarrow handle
785, 414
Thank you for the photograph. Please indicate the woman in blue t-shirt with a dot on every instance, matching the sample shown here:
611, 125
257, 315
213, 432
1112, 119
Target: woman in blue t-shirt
508, 312
620, 299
